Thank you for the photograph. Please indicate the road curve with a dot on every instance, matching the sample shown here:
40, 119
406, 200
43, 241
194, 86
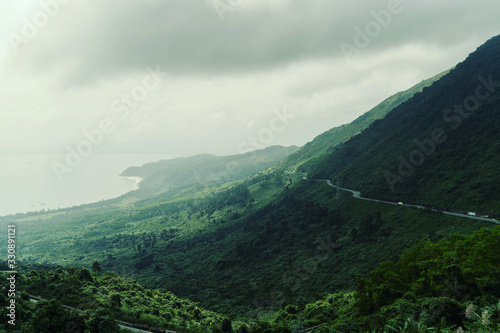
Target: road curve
120, 323
357, 195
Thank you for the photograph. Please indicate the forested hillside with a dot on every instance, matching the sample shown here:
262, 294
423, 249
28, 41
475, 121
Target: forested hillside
241, 250
271, 247
440, 148
432, 287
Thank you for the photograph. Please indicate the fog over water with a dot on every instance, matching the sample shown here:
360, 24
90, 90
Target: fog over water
29, 183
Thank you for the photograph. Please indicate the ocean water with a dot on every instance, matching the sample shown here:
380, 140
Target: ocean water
29, 182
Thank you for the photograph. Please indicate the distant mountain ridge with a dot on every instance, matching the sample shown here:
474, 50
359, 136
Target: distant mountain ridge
203, 171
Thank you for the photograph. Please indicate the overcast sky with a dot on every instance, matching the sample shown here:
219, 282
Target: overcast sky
227, 67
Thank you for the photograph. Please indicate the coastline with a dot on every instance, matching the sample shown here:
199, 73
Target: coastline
136, 179
99, 180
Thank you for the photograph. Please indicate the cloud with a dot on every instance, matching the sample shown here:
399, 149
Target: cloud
224, 76
97, 38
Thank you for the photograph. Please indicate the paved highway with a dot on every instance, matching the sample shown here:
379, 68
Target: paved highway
357, 195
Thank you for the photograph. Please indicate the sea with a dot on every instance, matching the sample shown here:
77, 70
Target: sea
29, 183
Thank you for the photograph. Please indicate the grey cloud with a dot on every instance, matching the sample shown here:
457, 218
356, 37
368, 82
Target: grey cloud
113, 37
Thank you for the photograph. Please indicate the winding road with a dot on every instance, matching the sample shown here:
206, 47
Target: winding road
357, 195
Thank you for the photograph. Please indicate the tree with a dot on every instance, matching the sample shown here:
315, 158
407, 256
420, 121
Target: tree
96, 267
85, 275
103, 322
226, 325
115, 300
50, 317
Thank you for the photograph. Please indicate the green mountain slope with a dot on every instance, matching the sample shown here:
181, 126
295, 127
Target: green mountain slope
327, 141
440, 148
101, 299
257, 244
242, 250
433, 287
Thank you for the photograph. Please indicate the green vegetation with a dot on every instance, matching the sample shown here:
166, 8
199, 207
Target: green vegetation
434, 287
236, 252
263, 250
99, 299
434, 282
458, 172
